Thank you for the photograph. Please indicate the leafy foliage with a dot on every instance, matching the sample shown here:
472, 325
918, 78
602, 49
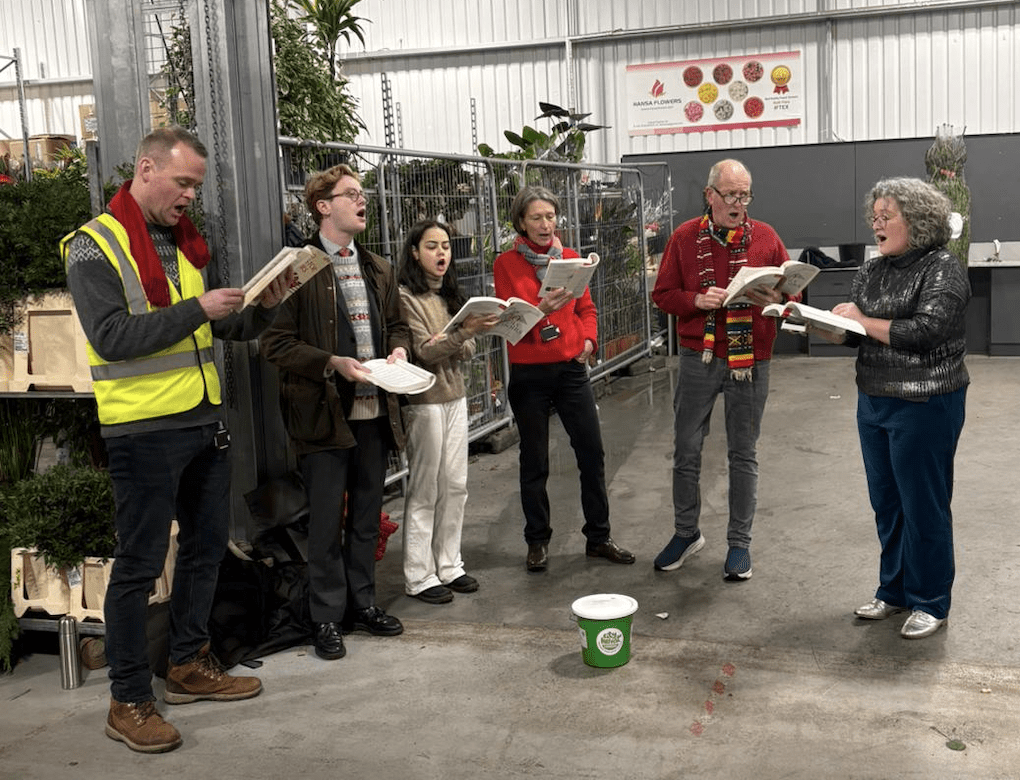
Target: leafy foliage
945, 161
66, 513
564, 142
312, 103
331, 20
34, 216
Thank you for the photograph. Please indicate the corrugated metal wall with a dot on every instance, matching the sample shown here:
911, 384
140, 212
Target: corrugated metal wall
872, 69
54, 63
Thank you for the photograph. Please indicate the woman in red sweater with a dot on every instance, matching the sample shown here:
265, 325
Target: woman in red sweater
548, 372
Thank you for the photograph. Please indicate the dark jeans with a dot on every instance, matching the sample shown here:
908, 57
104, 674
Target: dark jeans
341, 565
157, 476
908, 450
534, 391
698, 386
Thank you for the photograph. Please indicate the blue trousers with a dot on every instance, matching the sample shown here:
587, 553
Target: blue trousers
697, 387
157, 476
534, 391
908, 450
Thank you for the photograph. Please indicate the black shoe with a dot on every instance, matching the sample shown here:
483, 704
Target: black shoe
437, 594
329, 641
376, 622
538, 556
463, 584
611, 551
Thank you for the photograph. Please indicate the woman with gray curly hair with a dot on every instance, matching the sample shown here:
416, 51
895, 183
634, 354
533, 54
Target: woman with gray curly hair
912, 385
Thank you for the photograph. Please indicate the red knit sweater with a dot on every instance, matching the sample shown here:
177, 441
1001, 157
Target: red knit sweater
678, 283
515, 277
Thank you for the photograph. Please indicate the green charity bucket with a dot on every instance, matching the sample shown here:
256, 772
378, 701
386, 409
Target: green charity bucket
604, 620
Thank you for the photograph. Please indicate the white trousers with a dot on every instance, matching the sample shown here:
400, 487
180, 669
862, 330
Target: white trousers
437, 454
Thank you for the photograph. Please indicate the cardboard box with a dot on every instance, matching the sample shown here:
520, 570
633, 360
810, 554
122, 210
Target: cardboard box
88, 583
49, 346
42, 149
89, 122
34, 585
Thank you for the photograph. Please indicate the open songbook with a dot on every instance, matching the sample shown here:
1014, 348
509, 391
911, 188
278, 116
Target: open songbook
797, 316
304, 262
516, 316
574, 274
790, 278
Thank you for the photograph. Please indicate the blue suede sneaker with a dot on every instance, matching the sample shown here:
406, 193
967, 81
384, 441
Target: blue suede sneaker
678, 550
738, 564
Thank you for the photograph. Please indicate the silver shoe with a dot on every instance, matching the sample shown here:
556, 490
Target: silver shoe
920, 624
876, 609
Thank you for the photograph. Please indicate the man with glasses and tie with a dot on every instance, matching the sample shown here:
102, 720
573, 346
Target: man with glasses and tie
722, 350
341, 425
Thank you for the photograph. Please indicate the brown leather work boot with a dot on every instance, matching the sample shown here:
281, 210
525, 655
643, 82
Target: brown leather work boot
203, 678
140, 727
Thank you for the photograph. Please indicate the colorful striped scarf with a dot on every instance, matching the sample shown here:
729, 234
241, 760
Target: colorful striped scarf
739, 331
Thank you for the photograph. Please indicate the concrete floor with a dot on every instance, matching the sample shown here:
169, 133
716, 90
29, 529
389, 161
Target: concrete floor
771, 678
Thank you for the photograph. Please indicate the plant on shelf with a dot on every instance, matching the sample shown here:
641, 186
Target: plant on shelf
34, 216
67, 512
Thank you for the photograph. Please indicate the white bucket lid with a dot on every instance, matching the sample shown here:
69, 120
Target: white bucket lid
604, 606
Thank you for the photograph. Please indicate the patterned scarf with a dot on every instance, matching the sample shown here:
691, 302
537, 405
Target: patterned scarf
541, 262
127, 212
739, 339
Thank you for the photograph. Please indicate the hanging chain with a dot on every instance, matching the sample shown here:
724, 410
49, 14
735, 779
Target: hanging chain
219, 138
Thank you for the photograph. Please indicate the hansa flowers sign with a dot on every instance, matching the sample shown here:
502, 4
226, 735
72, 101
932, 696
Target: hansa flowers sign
727, 93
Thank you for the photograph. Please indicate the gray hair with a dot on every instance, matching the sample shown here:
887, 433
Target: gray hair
525, 197
716, 171
925, 209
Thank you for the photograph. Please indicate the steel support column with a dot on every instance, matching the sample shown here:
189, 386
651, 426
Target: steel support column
243, 201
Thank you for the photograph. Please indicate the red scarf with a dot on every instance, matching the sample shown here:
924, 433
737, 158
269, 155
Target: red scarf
125, 209
739, 324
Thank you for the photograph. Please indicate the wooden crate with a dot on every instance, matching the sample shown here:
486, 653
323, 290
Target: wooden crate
49, 346
36, 586
89, 582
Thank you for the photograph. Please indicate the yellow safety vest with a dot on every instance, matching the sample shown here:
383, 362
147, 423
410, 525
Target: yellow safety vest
167, 382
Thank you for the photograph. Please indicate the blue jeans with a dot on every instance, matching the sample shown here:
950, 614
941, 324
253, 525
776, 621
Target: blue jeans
908, 450
534, 391
157, 476
697, 387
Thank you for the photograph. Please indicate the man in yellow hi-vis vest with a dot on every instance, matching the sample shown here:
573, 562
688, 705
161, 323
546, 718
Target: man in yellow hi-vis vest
138, 277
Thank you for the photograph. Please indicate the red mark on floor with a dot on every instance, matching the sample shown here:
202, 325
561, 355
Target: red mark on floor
697, 728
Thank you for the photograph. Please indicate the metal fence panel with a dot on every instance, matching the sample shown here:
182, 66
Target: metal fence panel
603, 209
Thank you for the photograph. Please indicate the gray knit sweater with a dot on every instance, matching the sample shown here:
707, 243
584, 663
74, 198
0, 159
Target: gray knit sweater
925, 294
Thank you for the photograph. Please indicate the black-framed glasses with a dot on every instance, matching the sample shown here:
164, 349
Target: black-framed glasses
354, 196
735, 197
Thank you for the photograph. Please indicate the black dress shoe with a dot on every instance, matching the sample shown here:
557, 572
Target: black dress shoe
463, 584
437, 594
329, 642
376, 622
538, 556
611, 551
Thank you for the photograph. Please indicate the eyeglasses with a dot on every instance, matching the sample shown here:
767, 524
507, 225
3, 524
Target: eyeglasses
354, 196
735, 197
881, 219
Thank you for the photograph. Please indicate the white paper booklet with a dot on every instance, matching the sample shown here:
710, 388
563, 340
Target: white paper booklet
399, 376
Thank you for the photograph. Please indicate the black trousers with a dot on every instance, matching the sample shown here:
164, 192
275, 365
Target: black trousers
341, 562
534, 391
